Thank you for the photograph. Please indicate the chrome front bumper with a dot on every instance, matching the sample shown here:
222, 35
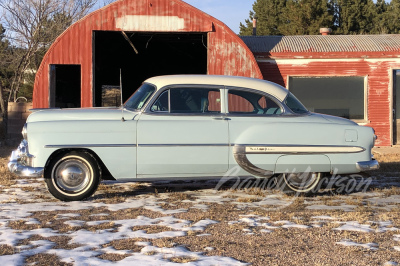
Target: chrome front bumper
21, 161
368, 165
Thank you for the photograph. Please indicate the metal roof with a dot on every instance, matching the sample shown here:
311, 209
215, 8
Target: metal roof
320, 43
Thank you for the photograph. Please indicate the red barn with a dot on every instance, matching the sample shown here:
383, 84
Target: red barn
139, 39
354, 76
350, 76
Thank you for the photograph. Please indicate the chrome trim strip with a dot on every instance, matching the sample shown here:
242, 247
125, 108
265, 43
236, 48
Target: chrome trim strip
240, 156
297, 149
90, 146
184, 145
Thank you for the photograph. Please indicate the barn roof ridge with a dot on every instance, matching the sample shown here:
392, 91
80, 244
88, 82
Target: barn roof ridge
320, 43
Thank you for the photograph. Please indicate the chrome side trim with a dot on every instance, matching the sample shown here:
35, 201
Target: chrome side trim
185, 145
90, 146
239, 153
298, 149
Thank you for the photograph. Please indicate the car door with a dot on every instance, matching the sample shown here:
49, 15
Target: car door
253, 117
183, 132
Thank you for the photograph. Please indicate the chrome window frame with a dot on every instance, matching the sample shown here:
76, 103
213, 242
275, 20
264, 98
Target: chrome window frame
285, 110
148, 111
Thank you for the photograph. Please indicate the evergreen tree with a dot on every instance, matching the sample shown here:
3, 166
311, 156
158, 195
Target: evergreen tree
299, 17
392, 18
382, 19
306, 17
355, 16
269, 15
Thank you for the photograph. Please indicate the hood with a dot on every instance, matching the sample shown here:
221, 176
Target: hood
81, 114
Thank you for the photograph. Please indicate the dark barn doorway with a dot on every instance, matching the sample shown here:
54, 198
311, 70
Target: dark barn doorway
142, 56
65, 86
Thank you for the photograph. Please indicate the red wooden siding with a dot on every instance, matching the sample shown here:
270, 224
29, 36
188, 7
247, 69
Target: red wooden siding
379, 84
227, 54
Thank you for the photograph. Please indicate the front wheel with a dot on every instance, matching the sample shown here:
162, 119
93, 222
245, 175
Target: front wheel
72, 176
299, 183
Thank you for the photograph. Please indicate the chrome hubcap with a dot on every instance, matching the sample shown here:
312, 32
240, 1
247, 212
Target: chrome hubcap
301, 181
72, 175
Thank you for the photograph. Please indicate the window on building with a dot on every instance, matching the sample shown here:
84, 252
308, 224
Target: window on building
338, 96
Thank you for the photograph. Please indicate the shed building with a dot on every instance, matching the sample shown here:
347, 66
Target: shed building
136, 39
356, 76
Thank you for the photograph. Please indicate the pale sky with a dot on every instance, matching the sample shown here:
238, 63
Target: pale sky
230, 12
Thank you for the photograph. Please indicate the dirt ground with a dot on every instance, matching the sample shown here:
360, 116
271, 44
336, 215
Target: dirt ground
168, 223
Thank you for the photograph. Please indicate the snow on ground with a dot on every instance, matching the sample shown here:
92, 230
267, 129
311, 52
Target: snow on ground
349, 243
20, 202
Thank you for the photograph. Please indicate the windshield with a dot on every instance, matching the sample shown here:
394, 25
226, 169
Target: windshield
295, 105
140, 97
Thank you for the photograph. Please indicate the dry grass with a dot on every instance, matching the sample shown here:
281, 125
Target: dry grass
248, 199
126, 244
113, 256
184, 259
44, 259
179, 196
6, 178
387, 162
163, 243
152, 229
61, 242
6, 250
21, 225
291, 246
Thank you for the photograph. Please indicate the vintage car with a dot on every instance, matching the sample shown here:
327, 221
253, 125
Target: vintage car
189, 127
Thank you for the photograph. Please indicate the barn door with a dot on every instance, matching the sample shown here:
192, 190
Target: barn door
396, 107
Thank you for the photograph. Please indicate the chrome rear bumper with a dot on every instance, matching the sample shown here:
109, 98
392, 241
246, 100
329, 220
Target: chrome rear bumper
368, 165
20, 162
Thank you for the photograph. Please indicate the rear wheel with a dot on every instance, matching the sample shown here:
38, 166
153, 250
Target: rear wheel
299, 183
72, 176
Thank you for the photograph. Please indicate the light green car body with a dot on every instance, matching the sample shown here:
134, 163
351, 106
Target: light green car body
135, 145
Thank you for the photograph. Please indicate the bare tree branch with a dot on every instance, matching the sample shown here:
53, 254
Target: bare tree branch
32, 25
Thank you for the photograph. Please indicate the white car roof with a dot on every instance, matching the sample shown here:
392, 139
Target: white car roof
242, 82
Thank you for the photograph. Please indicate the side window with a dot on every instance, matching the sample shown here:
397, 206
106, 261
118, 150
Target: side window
195, 100
244, 102
162, 103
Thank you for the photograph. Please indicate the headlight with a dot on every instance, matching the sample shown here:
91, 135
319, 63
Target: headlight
25, 132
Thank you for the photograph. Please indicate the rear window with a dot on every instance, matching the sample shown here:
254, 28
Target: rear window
295, 105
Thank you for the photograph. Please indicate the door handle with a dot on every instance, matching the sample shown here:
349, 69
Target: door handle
221, 118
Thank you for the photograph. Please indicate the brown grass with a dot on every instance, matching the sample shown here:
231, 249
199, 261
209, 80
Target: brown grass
126, 244
291, 246
44, 259
388, 162
6, 178
183, 259
61, 242
163, 242
152, 229
113, 256
6, 250
248, 199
